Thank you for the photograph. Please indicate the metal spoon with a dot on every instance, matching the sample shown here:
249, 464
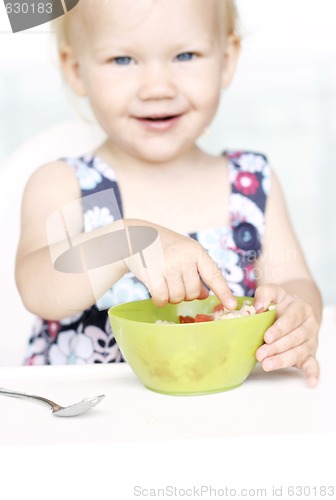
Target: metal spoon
57, 410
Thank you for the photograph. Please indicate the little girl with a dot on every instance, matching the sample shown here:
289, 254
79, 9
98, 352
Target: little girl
153, 72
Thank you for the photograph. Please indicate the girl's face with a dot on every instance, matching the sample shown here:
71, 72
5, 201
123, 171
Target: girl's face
154, 74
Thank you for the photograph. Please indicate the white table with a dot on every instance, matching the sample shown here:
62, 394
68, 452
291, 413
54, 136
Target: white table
273, 422
266, 403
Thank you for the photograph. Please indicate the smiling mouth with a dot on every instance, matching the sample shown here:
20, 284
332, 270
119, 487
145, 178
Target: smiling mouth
159, 124
159, 118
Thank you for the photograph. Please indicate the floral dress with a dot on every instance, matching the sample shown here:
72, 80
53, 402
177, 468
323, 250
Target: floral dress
87, 337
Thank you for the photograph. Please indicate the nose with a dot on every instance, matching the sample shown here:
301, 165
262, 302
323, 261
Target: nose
156, 82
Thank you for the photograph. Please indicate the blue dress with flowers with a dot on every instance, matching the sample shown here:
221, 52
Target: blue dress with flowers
87, 337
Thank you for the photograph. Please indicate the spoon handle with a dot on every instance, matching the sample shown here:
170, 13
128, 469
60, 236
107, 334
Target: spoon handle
23, 395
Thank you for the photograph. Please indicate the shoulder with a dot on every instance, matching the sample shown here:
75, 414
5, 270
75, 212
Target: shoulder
52, 175
52, 171
49, 188
53, 179
276, 202
277, 218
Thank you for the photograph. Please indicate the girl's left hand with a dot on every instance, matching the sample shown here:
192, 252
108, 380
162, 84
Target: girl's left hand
293, 338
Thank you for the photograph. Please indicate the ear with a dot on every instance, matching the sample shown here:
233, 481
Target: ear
231, 56
71, 69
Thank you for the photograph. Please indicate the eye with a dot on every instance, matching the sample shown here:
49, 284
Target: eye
122, 60
186, 56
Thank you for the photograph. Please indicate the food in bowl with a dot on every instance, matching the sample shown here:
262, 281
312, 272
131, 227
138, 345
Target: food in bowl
190, 358
219, 313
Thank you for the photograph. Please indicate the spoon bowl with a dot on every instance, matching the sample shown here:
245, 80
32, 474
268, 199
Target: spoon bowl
57, 410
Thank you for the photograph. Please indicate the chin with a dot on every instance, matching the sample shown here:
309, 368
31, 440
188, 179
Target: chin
158, 156
163, 153
156, 160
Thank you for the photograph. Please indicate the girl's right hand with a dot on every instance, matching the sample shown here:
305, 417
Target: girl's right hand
177, 268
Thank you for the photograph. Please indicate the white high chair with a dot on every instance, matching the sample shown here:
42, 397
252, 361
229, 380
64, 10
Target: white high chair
66, 139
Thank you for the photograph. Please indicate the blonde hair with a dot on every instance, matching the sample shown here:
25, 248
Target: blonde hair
233, 20
61, 25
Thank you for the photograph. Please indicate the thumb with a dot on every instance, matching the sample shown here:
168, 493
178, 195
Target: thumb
213, 278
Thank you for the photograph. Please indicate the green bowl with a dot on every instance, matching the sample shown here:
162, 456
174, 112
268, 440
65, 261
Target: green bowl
190, 358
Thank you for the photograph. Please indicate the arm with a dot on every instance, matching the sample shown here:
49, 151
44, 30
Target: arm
45, 291
284, 279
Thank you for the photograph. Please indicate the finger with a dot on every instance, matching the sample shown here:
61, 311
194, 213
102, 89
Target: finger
311, 369
176, 289
153, 273
160, 294
293, 339
265, 295
289, 358
194, 288
204, 293
292, 318
213, 278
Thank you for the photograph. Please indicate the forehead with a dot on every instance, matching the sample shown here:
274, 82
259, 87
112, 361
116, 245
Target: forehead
149, 18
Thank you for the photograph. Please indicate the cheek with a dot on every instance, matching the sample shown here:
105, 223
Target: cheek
204, 86
107, 89
205, 96
106, 102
